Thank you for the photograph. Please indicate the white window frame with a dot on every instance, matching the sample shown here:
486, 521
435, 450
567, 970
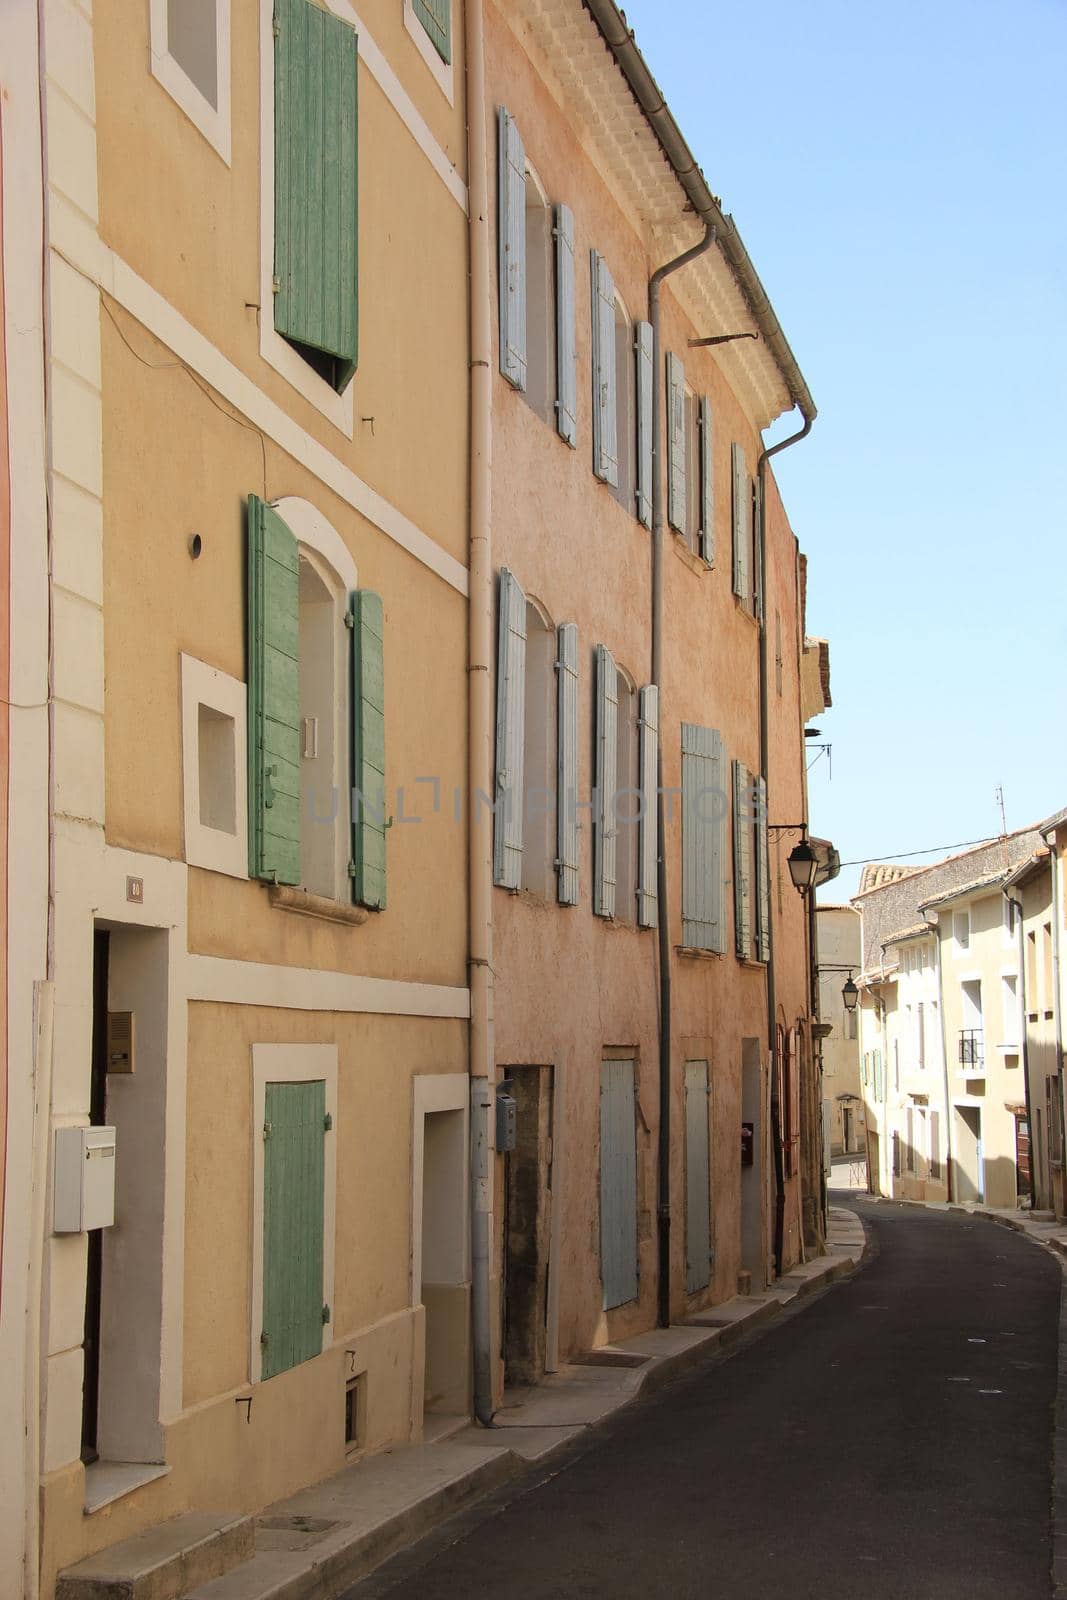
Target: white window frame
275, 350
213, 123
441, 71
291, 1063
961, 949
203, 685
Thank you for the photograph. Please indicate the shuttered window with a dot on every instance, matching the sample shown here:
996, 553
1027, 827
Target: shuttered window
707, 484
607, 751
677, 504
511, 224
704, 811
510, 728
367, 691
567, 768
315, 187
294, 1134
566, 329
697, 1178
643, 358
273, 697
742, 525
647, 833
605, 407
763, 875
435, 18
618, 1183
743, 809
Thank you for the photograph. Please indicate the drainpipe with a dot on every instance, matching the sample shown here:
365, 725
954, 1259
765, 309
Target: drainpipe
935, 926
1024, 1044
479, 713
663, 1192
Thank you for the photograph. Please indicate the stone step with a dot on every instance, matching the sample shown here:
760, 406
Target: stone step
163, 1562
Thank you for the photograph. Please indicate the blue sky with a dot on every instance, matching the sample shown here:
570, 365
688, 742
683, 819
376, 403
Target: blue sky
898, 176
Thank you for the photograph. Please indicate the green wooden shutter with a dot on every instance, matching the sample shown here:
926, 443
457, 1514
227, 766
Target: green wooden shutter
368, 750
294, 1166
436, 19
743, 860
707, 484
315, 187
273, 697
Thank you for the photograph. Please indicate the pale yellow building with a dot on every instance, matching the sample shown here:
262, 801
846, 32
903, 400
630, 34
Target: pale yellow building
839, 959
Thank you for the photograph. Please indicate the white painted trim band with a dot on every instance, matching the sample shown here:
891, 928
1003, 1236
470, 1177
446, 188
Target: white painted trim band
256, 983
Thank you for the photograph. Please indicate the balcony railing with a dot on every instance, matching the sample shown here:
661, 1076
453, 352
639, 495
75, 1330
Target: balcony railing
972, 1050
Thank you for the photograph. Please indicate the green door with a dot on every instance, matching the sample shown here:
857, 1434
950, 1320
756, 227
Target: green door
294, 1133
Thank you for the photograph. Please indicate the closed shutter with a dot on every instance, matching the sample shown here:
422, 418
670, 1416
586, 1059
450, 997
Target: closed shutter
618, 1183
567, 765
743, 860
757, 548
703, 834
763, 875
367, 868
707, 483
643, 356
607, 748
511, 225
273, 697
566, 329
697, 1179
742, 509
510, 728
435, 18
294, 1135
648, 829
315, 186
676, 464
605, 423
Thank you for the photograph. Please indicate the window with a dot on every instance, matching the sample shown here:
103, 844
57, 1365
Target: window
1009, 920
851, 1029
691, 531
920, 1034
935, 1145
1031, 975
909, 1140
215, 803
625, 413
627, 800
539, 753
1009, 988
190, 57
961, 931
751, 866
677, 446
434, 16
429, 26
743, 528
315, 188
322, 645
704, 814
1046, 968
540, 388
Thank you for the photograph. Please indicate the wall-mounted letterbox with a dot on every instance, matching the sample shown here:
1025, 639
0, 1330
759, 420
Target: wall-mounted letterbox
507, 1118
83, 1191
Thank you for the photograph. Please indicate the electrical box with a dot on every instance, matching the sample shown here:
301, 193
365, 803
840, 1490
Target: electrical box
83, 1194
507, 1119
120, 1041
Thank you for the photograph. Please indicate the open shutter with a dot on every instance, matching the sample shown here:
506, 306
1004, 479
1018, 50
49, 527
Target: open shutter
703, 832
367, 867
511, 226
273, 697
757, 549
567, 765
647, 833
643, 354
743, 860
607, 747
763, 874
605, 435
707, 484
315, 185
566, 329
510, 729
618, 1183
435, 18
294, 1166
742, 510
676, 465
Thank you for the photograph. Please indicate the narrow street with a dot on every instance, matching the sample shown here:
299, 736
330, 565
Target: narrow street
891, 1439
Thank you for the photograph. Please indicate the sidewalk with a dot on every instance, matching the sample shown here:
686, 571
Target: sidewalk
320, 1541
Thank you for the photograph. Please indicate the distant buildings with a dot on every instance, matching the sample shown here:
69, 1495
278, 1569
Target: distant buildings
840, 958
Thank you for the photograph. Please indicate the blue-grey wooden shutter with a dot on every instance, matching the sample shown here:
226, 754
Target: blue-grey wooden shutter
511, 226
757, 551
643, 355
647, 833
367, 693
703, 832
742, 512
605, 409
315, 187
707, 484
697, 1178
273, 697
607, 748
294, 1134
436, 19
566, 329
618, 1183
510, 732
567, 765
743, 860
763, 874
676, 463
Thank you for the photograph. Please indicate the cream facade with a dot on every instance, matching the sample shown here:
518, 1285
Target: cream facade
840, 958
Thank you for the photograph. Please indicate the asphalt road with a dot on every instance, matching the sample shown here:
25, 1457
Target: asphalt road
890, 1438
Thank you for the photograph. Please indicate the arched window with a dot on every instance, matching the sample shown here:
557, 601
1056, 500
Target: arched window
539, 754
540, 301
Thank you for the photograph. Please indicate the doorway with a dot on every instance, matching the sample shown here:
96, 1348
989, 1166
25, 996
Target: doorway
528, 1226
1022, 1155
444, 1289
846, 1118
753, 1235
970, 1186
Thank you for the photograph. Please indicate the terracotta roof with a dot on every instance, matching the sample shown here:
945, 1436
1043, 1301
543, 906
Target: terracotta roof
987, 881
914, 932
876, 874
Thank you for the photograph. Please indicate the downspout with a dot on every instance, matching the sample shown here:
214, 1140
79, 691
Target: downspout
764, 756
663, 928
479, 714
935, 927
1024, 1045
1054, 858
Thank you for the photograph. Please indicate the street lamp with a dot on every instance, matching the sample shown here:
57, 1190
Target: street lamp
803, 866
850, 994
